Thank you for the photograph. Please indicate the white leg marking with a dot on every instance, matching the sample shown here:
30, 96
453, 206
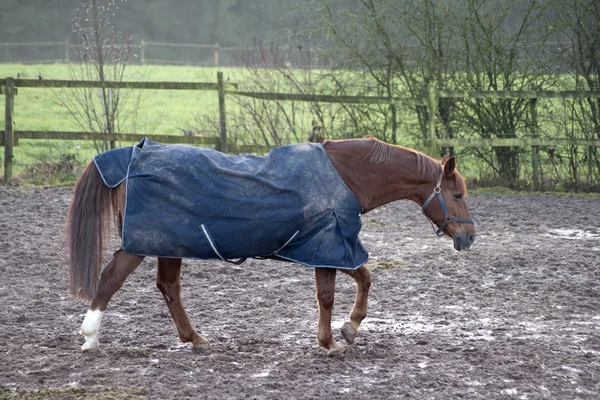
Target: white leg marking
89, 329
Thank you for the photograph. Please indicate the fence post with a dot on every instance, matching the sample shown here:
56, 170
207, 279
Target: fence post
431, 109
216, 54
538, 183
67, 50
222, 122
142, 51
9, 96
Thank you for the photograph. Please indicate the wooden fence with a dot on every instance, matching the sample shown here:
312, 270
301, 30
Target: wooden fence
64, 51
9, 137
148, 52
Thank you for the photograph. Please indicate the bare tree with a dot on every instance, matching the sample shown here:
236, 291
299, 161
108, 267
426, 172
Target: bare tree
104, 54
501, 48
399, 47
268, 122
355, 34
577, 38
433, 27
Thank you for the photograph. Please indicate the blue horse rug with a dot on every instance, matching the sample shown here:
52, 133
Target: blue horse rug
189, 202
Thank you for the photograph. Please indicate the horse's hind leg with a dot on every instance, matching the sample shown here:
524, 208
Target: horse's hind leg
362, 277
168, 281
325, 282
111, 279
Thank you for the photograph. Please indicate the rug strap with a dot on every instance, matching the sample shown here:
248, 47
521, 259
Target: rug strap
216, 250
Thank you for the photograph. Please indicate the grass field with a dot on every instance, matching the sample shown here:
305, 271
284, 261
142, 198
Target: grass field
163, 112
160, 111
168, 112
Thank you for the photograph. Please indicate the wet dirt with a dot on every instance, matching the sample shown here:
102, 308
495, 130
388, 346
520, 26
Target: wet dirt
518, 316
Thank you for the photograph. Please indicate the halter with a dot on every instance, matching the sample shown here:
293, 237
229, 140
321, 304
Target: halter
437, 190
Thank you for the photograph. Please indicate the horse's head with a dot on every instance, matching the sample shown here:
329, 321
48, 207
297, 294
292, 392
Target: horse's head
446, 206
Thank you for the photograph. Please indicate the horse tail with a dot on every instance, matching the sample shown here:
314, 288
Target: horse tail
93, 206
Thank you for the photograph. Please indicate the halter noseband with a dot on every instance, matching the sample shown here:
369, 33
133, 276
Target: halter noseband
437, 190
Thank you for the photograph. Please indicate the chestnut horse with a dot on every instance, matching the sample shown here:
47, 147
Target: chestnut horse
377, 173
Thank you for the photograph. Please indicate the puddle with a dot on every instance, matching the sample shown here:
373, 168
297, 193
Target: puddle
472, 330
265, 372
577, 234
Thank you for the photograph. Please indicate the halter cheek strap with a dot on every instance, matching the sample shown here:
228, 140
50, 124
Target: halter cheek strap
437, 192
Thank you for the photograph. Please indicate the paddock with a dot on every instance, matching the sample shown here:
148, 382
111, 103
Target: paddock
517, 316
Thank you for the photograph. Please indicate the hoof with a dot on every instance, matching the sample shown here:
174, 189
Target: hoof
335, 350
349, 332
201, 347
91, 344
89, 330
199, 343
88, 349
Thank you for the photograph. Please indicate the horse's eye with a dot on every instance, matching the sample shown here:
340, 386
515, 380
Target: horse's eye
457, 196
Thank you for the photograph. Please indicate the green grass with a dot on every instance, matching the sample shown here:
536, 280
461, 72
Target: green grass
167, 112
162, 112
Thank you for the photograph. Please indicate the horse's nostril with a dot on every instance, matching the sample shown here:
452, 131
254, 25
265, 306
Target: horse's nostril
471, 239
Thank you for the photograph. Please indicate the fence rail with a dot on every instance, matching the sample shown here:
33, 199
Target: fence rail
10, 138
121, 137
516, 142
56, 83
150, 52
521, 94
331, 99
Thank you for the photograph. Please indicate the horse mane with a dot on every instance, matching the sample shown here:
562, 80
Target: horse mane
384, 153
381, 152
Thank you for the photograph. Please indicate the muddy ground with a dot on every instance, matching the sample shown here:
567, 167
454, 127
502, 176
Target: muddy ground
518, 316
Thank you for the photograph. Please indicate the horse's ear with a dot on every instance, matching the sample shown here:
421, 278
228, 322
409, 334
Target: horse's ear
449, 165
445, 159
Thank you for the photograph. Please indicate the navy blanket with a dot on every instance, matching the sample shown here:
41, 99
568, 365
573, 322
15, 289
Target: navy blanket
190, 202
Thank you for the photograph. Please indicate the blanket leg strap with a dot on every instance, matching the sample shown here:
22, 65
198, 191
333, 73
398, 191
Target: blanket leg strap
216, 250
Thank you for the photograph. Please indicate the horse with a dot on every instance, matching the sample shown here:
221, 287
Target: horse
374, 172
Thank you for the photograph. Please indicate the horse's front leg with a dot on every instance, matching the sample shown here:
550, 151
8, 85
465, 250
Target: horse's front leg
168, 281
362, 277
325, 282
111, 279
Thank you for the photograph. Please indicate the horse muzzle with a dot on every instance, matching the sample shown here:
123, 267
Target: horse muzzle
463, 240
